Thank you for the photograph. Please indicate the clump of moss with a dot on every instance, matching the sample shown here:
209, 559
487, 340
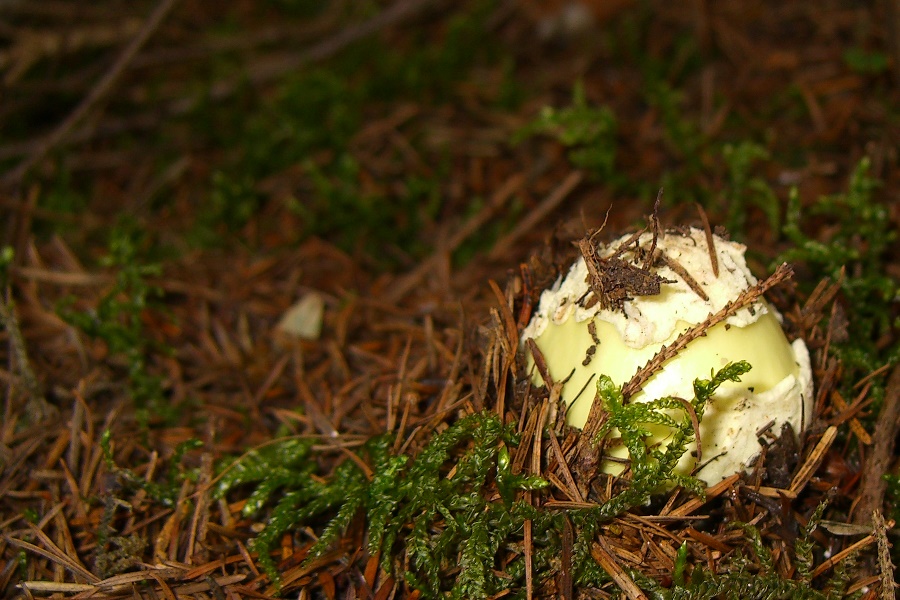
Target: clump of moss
854, 253
117, 320
413, 506
589, 133
443, 520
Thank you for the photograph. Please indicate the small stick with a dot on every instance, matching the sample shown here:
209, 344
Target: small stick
571, 487
529, 552
407, 283
602, 553
654, 225
53, 586
873, 486
884, 555
879, 371
710, 241
568, 543
848, 414
694, 503
708, 540
683, 273
813, 460
744, 299
535, 216
829, 563
621, 248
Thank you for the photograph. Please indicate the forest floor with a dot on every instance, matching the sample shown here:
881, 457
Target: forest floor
402, 178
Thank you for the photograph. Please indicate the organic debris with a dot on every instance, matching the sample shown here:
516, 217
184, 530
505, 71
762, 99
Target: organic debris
178, 174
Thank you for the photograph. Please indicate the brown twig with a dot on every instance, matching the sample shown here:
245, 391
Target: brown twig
684, 274
813, 460
602, 553
750, 295
710, 241
501, 248
837, 558
713, 492
568, 543
103, 87
744, 299
885, 565
848, 413
872, 485
654, 228
406, 283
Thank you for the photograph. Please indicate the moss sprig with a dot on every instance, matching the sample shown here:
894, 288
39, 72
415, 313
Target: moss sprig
859, 244
589, 133
118, 320
653, 467
435, 509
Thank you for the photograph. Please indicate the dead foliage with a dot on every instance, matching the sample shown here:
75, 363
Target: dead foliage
404, 354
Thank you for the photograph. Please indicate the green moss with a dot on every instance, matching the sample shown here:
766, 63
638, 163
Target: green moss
117, 553
411, 506
757, 577
445, 535
589, 132
745, 189
117, 319
866, 62
859, 240
310, 122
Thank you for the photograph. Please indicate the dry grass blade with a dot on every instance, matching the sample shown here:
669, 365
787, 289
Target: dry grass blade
52, 552
52, 587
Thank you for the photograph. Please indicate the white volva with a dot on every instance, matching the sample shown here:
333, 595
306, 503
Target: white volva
777, 390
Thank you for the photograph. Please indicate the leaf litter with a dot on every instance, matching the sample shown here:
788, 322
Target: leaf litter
404, 453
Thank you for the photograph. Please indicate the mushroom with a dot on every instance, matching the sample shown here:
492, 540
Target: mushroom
621, 303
